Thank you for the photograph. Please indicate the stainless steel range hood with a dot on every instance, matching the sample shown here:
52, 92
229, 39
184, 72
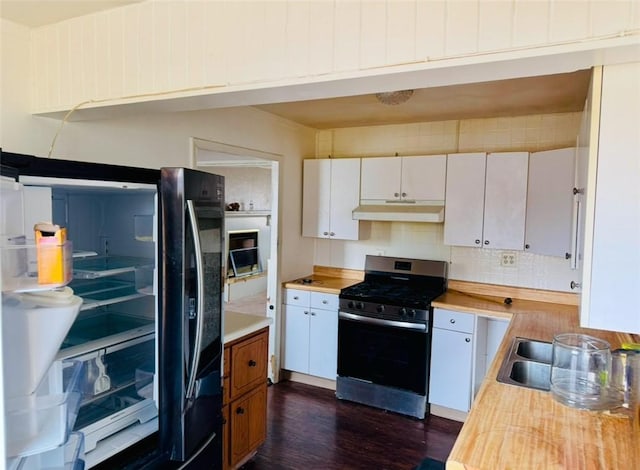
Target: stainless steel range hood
401, 212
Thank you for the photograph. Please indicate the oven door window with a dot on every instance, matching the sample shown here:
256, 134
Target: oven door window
383, 355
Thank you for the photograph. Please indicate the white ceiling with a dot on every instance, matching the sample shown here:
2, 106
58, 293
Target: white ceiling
520, 96
514, 97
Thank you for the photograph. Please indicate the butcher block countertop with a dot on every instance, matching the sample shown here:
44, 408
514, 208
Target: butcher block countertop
512, 427
326, 280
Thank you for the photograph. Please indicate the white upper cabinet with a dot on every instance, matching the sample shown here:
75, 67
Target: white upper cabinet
611, 265
486, 199
464, 201
505, 200
331, 192
419, 178
550, 202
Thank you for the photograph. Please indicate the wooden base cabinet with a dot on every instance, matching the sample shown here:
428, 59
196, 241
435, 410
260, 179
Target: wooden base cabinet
245, 397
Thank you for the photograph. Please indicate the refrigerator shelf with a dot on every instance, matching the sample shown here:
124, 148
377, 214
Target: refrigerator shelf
100, 292
20, 267
102, 331
103, 266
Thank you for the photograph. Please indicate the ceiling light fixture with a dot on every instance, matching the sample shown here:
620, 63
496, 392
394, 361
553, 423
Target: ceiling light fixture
394, 97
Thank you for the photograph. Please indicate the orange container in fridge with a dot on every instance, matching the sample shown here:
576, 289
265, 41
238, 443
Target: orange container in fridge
50, 252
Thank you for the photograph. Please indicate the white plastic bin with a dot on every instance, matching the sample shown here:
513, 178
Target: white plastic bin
69, 456
34, 326
43, 420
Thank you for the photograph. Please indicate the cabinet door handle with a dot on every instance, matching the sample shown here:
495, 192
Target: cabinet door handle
325, 302
252, 363
486, 242
404, 194
575, 285
306, 313
467, 340
396, 194
452, 321
240, 410
325, 233
332, 233
313, 314
477, 241
526, 247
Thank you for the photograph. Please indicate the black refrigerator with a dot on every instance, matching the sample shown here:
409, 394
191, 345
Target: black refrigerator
147, 261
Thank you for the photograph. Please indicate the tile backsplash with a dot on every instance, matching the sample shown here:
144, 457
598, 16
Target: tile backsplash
425, 240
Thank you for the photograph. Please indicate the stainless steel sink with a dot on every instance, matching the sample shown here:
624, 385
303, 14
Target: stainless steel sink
527, 364
534, 350
531, 374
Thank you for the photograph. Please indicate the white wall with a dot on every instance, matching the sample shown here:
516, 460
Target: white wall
18, 129
246, 185
418, 240
158, 139
195, 48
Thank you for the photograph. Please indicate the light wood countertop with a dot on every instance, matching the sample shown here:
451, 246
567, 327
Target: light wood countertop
512, 427
326, 279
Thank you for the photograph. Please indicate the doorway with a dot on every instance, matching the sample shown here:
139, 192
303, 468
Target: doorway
252, 180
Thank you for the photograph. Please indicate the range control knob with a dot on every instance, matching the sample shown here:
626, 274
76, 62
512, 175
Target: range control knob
350, 304
380, 308
359, 305
411, 313
402, 312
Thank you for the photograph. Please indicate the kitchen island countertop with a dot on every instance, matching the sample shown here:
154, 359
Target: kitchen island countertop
512, 427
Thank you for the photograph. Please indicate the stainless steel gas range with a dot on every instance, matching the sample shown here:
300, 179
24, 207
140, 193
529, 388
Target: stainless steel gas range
384, 334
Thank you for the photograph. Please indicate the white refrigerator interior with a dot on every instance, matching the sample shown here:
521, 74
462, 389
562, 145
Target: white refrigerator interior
85, 360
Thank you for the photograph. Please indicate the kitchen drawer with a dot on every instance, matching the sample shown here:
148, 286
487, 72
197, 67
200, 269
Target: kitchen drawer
298, 297
248, 364
320, 300
454, 321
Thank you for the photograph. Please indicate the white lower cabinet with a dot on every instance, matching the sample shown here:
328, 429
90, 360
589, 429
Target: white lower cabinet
463, 346
451, 359
311, 333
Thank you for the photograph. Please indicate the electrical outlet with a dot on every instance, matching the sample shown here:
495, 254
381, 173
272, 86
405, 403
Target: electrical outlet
508, 259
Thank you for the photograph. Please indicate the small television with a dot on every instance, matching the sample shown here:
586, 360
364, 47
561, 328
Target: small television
244, 254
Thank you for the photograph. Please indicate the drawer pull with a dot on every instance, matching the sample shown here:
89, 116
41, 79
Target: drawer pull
240, 410
325, 302
295, 297
252, 363
452, 321
467, 340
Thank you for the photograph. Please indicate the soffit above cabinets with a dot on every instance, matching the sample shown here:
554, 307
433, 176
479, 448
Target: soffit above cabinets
557, 93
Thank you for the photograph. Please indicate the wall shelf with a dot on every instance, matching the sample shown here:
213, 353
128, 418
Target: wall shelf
265, 213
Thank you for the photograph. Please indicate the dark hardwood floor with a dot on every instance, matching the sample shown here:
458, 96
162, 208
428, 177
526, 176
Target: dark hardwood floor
309, 428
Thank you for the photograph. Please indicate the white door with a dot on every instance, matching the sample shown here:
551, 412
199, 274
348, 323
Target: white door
550, 202
296, 339
323, 343
423, 178
505, 200
381, 178
464, 199
450, 376
316, 198
345, 196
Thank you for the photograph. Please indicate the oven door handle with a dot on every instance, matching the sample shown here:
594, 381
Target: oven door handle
377, 321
